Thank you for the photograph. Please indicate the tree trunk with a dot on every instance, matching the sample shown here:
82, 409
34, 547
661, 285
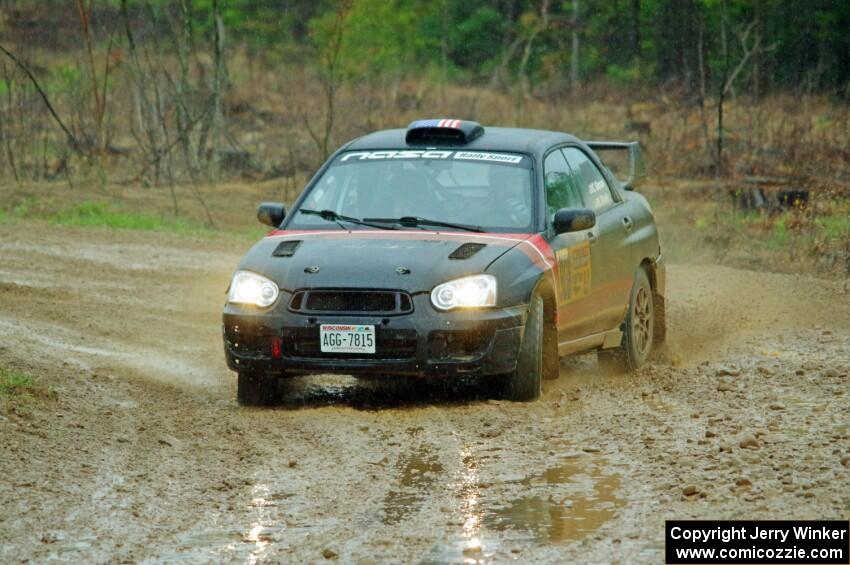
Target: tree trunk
635, 31
724, 45
219, 81
574, 52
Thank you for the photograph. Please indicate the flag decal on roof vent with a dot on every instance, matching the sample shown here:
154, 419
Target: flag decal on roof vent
443, 131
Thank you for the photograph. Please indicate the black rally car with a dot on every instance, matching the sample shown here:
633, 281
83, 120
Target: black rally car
448, 249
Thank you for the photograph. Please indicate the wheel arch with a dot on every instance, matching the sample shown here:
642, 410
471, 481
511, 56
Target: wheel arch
545, 289
648, 265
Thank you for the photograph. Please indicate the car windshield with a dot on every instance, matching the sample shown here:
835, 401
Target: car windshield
487, 190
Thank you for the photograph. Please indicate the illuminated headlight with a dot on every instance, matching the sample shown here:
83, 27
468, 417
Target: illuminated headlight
468, 292
251, 288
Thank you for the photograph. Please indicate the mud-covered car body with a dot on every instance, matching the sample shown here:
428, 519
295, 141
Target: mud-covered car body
333, 273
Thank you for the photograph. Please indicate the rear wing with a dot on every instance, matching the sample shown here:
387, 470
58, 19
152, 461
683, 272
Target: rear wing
623, 159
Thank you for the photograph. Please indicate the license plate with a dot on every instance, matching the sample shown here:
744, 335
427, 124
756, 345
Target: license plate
337, 338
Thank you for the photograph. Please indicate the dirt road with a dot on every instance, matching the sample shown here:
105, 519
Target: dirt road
145, 456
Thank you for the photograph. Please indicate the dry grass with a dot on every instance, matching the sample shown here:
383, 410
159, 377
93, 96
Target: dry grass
268, 109
700, 222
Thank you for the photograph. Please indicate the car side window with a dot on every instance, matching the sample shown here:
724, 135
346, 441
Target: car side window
592, 184
561, 191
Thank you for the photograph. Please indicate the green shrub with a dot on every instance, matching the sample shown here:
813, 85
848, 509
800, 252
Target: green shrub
13, 383
834, 227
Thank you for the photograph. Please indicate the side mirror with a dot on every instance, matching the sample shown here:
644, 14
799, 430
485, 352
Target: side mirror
271, 213
573, 219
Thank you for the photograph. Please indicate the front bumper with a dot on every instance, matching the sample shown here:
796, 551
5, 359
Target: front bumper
424, 342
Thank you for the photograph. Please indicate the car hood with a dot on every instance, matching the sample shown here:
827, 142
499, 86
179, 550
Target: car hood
413, 261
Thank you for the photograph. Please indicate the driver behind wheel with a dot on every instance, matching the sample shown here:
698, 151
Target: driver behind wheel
508, 204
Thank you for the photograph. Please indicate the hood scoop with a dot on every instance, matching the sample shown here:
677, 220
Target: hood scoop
286, 248
467, 250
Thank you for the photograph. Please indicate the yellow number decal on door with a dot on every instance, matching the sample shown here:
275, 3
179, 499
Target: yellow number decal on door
573, 272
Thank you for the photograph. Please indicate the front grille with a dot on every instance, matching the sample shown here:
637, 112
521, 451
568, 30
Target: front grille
389, 344
378, 302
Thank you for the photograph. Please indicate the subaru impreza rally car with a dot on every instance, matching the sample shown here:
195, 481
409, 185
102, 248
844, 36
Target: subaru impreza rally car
446, 249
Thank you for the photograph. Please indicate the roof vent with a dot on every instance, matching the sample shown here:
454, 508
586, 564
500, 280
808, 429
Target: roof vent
442, 132
286, 248
467, 250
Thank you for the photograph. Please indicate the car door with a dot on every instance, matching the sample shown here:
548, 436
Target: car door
572, 251
611, 259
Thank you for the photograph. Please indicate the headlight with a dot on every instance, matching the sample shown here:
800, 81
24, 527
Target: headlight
468, 292
251, 288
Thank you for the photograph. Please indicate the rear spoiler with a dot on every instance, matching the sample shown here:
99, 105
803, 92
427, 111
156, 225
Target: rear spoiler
636, 170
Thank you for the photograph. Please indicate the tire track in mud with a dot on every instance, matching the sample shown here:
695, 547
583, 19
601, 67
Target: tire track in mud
144, 456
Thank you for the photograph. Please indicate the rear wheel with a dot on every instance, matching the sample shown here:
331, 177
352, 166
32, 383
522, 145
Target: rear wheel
257, 389
525, 383
638, 329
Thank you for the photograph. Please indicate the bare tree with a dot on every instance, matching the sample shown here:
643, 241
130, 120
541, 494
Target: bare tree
540, 26
702, 86
331, 79
99, 82
749, 48
212, 124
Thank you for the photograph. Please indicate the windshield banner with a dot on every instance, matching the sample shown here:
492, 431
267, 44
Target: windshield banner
496, 158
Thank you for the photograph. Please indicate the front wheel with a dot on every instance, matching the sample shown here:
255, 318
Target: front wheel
525, 383
638, 329
257, 389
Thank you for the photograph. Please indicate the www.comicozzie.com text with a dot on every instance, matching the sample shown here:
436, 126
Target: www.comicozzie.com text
743, 532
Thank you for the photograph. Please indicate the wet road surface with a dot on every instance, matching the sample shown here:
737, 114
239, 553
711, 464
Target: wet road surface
145, 456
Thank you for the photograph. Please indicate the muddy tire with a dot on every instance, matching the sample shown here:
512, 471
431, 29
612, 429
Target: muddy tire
551, 359
638, 330
257, 389
525, 382
659, 337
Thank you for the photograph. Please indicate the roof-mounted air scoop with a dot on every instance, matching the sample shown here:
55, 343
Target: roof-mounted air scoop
442, 132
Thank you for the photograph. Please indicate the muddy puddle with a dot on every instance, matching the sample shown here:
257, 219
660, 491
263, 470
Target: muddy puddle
489, 519
565, 502
227, 540
552, 519
418, 474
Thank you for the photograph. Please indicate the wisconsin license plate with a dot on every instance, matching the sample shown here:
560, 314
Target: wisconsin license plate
336, 338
